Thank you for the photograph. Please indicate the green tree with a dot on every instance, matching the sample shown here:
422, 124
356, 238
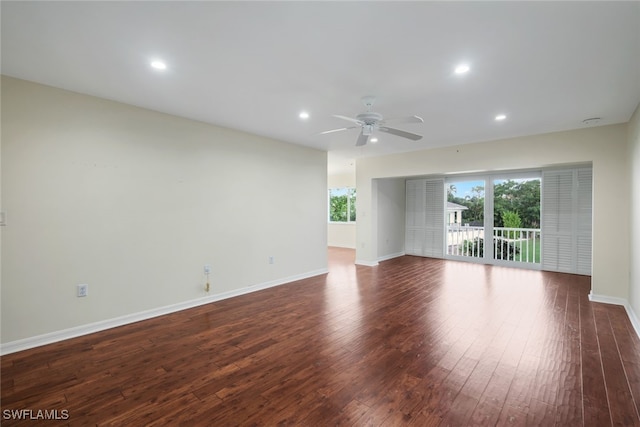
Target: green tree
522, 197
451, 192
511, 219
352, 205
338, 208
475, 203
342, 205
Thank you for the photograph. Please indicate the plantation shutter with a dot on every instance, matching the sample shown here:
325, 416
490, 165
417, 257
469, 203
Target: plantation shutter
566, 220
414, 237
425, 217
584, 191
434, 218
556, 227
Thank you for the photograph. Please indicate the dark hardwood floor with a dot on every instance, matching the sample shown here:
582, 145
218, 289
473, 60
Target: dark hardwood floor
414, 341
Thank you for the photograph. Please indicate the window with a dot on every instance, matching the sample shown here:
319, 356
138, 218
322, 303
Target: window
342, 204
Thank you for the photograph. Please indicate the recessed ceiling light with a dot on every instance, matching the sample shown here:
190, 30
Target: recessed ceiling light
500, 117
159, 65
462, 68
303, 115
374, 139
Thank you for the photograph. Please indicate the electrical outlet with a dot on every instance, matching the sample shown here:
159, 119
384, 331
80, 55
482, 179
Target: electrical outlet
83, 290
207, 269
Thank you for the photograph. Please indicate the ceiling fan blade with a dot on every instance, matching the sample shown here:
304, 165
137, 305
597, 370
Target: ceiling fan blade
398, 132
348, 119
410, 119
336, 130
362, 140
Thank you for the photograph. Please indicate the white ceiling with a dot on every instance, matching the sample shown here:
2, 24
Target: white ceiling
254, 66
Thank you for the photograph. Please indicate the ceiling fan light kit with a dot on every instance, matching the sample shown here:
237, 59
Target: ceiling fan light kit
370, 122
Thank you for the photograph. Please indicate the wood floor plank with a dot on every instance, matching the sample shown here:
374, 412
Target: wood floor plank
492, 400
619, 394
569, 400
595, 404
411, 342
628, 345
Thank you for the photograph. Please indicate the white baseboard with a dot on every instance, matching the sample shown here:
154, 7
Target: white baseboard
607, 299
65, 334
635, 322
341, 246
366, 263
619, 301
390, 256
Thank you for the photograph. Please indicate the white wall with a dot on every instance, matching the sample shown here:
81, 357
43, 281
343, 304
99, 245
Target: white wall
341, 235
605, 147
391, 218
135, 203
634, 248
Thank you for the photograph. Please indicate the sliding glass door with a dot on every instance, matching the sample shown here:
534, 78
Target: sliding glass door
494, 219
464, 216
516, 220
532, 219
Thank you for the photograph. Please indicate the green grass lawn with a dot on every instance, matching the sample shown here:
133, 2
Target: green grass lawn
528, 251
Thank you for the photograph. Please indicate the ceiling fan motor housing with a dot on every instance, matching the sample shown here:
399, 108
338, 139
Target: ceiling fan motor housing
369, 117
368, 129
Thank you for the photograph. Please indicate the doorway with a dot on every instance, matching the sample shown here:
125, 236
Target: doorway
465, 209
536, 219
494, 219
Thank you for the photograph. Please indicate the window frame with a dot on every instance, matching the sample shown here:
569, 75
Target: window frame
351, 194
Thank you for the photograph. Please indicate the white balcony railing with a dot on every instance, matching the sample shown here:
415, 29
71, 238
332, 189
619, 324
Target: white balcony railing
509, 244
465, 240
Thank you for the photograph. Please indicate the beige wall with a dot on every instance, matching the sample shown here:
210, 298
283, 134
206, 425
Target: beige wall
135, 203
605, 147
634, 196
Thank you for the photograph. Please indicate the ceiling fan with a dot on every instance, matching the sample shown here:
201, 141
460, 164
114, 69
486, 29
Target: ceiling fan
370, 122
